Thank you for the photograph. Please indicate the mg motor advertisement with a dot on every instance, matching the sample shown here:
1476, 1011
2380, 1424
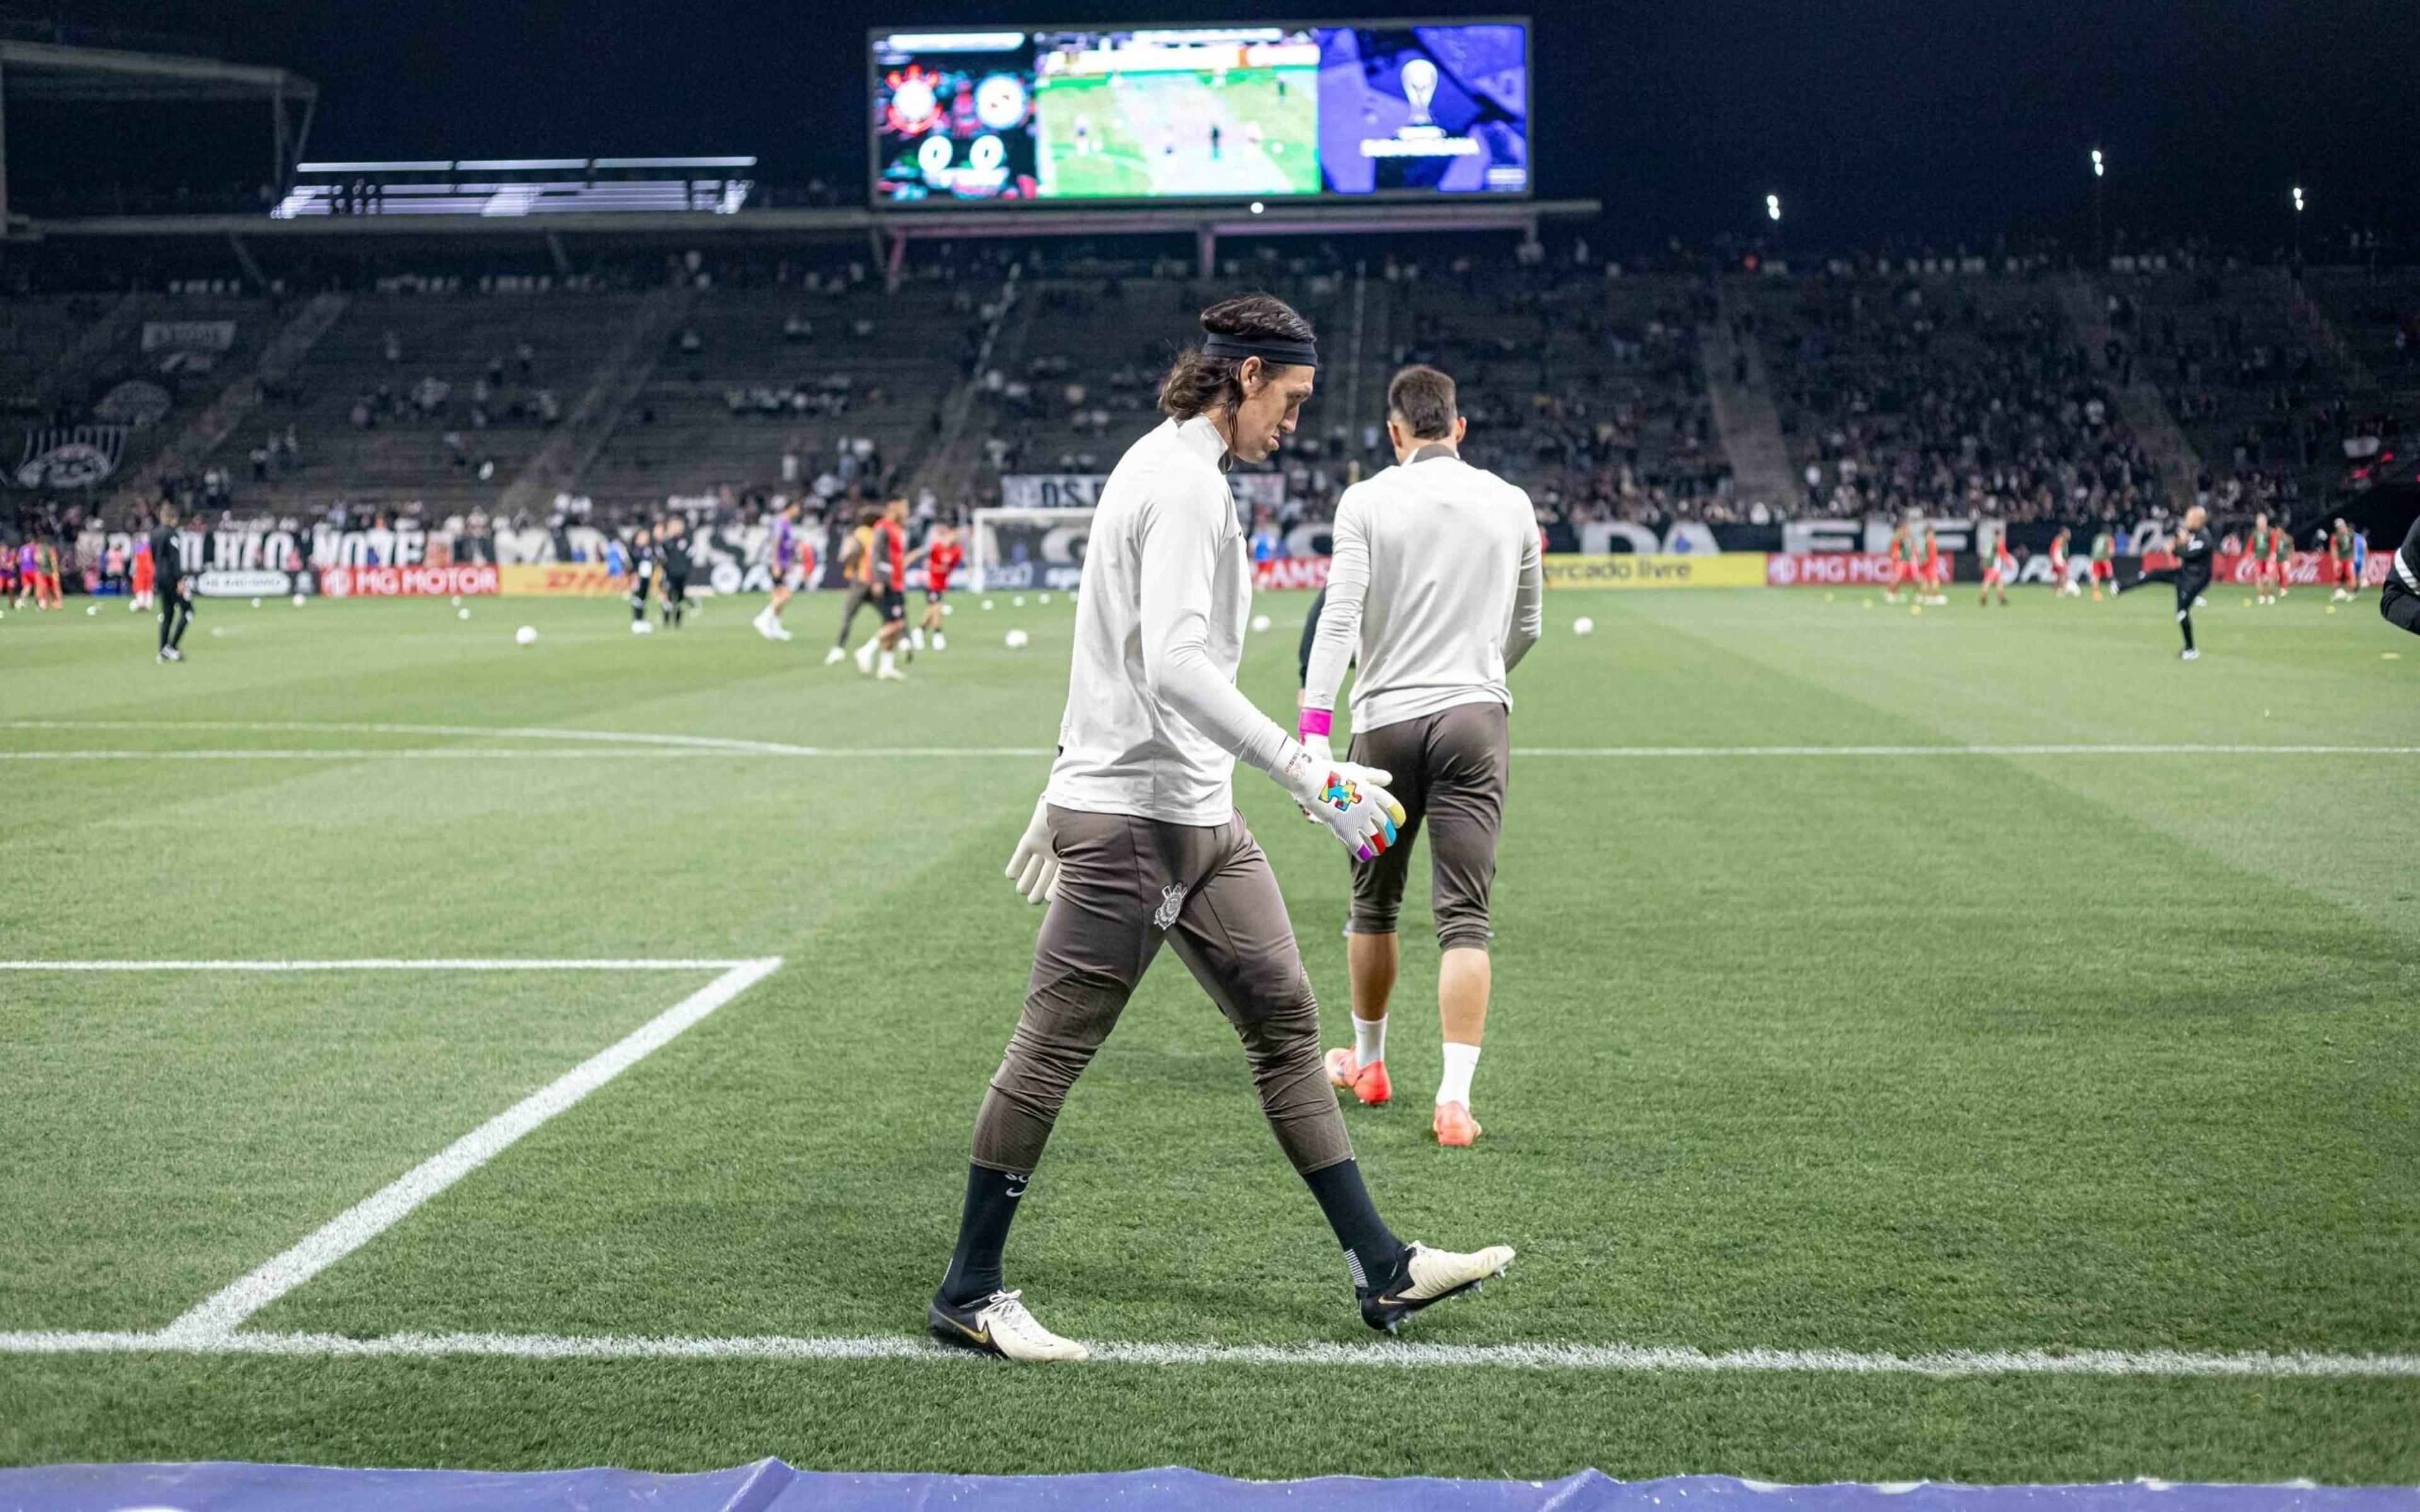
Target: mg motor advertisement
408, 583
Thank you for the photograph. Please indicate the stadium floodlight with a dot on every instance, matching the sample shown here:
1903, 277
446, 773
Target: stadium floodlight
1772, 207
2297, 199
2100, 163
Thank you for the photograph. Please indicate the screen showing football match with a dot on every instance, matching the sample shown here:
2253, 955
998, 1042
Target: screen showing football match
1077, 114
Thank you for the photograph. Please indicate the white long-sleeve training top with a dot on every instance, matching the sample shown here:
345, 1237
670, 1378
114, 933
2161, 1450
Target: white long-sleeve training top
1435, 580
1154, 723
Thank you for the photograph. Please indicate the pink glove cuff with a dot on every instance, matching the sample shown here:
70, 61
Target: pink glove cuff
1316, 722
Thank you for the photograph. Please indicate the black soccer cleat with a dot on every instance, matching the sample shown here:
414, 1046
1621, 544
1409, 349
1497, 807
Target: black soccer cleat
1428, 1276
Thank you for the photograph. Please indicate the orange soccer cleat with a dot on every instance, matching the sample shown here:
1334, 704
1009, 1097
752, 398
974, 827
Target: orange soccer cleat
1369, 1083
1453, 1124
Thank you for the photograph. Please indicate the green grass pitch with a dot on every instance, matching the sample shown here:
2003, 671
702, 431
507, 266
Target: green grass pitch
1133, 122
2085, 1049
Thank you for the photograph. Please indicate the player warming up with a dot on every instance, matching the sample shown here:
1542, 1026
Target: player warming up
1999, 570
1435, 584
792, 569
942, 553
2104, 562
2191, 574
672, 569
2344, 564
857, 565
2263, 550
1903, 561
2062, 579
175, 593
642, 577
1137, 840
887, 580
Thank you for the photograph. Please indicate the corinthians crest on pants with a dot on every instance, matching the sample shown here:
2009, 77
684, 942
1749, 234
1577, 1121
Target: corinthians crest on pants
1172, 903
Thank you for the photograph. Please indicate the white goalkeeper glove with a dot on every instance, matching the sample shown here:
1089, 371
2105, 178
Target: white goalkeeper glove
1352, 801
1033, 870
1312, 732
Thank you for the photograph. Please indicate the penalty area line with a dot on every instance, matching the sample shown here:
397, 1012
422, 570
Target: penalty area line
1612, 1358
213, 1319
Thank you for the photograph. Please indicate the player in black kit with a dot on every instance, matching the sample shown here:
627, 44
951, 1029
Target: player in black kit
643, 575
170, 581
2400, 602
672, 548
2191, 574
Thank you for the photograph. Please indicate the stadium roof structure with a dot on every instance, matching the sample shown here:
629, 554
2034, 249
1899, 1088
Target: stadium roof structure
105, 75
888, 231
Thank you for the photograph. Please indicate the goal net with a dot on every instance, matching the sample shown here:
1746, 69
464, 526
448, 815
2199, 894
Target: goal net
1028, 548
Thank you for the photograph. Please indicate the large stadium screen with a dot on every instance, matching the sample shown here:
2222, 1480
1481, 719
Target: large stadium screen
1093, 115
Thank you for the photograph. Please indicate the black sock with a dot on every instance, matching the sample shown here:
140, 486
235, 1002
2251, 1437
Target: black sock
1371, 1251
983, 1233
2184, 617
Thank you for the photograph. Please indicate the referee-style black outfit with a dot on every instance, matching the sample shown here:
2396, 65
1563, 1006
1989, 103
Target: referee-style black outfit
673, 547
2401, 599
176, 599
2191, 574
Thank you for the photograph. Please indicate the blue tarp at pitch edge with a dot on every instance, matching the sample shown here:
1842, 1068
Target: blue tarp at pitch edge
770, 1485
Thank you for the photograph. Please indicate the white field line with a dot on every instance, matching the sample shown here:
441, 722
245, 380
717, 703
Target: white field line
378, 753
213, 1319
1614, 1358
428, 963
668, 745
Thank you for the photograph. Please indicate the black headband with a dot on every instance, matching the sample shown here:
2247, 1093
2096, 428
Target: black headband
1276, 350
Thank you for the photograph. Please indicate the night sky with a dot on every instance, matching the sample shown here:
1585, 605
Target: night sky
1956, 122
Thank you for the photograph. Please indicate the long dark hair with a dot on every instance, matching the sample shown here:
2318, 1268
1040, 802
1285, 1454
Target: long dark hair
1197, 384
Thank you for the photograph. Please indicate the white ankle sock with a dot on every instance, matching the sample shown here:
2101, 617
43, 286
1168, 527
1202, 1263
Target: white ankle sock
1369, 1041
888, 663
1459, 1062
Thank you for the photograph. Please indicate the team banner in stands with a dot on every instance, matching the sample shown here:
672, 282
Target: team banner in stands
577, 577
1728, 569
69, 456
188, 336
1082, 490
407, 582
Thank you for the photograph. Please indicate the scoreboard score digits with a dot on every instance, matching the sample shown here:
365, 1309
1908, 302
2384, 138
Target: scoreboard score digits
1137, 114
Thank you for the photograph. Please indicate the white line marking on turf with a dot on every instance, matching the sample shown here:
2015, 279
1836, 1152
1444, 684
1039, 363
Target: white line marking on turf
1634, 752
213, 1320
373, 754
1622, 1358
646, 744
433, 964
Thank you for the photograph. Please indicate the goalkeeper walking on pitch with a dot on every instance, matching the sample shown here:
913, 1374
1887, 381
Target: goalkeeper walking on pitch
1437, 583
1137, 841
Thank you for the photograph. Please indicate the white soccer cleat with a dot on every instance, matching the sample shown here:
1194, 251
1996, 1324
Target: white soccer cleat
891, 675
763, 623
1430, 1275
834, 656
642, 628
940, 641
999, 1324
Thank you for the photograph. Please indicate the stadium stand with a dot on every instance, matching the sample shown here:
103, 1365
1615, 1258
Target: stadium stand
1945, 396
757, 373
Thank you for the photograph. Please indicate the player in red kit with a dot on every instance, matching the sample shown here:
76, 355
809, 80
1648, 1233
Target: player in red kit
1935, 573
942, 555
887, 571
1903, 561
1999, 570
